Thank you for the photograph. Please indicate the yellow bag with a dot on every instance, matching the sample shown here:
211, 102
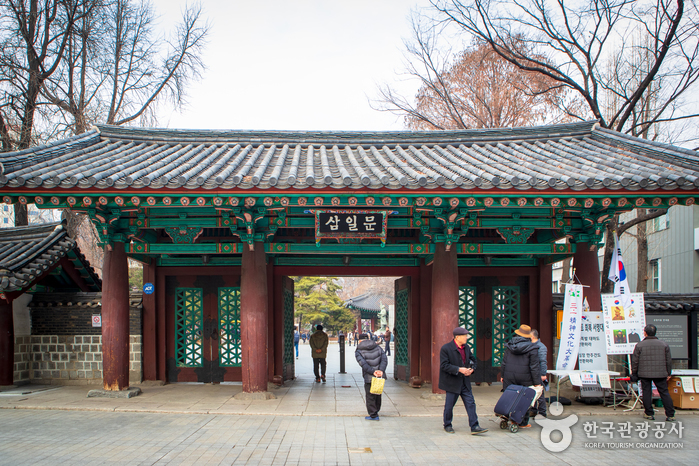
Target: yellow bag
377, 385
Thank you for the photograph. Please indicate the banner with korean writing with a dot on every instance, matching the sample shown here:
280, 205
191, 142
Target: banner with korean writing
351, 224
593, 350
623, 325
570, 329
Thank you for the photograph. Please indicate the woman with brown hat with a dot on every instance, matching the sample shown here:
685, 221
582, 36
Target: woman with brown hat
520, 364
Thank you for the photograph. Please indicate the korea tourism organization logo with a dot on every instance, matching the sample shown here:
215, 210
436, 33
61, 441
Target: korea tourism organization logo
562, 425
557, 434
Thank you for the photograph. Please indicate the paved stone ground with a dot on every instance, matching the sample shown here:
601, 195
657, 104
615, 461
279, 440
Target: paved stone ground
73, 437
308, 423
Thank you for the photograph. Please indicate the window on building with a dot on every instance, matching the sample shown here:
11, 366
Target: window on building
657, 224
6, 208
5, 220
654, 275
555, 286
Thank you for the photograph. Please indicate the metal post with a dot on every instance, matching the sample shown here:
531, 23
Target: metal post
341, 341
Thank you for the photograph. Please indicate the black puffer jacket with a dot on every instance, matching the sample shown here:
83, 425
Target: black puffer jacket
520, 364
372, 358
651, 359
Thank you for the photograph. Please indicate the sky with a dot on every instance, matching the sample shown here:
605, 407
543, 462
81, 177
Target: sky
295, 64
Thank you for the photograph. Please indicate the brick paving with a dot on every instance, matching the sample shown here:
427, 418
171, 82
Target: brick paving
307, 423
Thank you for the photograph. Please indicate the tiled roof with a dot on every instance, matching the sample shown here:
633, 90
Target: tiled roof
80, 299
655, 302
580, 156
28, 252
369, 301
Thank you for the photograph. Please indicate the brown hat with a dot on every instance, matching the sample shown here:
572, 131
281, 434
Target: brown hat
524, 331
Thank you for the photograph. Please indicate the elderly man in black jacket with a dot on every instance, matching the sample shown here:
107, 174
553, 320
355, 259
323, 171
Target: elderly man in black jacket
651, 362
456, 364
520, 363
373, 361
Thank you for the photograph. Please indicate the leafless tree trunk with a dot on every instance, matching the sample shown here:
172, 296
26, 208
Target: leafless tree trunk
641, 254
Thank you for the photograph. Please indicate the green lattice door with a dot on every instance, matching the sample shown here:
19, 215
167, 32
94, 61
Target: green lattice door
205, 330
467, 314
506, 317
401, 359
288, 354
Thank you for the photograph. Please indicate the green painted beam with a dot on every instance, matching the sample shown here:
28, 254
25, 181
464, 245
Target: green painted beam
197, 261
355, 261
351, 249
498, 262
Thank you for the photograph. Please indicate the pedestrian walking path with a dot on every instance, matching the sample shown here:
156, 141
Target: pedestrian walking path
342, 395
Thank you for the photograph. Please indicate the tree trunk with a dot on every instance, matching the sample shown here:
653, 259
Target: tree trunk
641, 254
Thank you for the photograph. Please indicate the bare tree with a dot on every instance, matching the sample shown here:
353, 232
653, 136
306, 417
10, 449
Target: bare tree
33, 38
474, 88
116, 69
577, 39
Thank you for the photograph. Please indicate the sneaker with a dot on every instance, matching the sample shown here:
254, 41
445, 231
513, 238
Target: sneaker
670, 419
650, 417
527, 426
478, 430
449, 429
323, 378
317, 379
369, 418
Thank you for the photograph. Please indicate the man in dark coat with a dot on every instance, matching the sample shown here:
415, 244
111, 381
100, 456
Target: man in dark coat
651, 362
373, 362
540, 405
456, 364
520, 363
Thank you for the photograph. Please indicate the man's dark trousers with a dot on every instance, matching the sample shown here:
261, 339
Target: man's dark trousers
373, 402
647, 396
388, 348
319, 362
470, 403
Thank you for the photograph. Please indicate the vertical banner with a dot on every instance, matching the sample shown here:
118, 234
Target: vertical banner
570, 328
593, 350
623, 325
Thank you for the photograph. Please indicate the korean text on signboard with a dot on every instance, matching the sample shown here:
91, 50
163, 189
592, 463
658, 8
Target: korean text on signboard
351, 224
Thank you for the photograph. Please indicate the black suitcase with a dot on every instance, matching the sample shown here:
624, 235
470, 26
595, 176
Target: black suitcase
513, 405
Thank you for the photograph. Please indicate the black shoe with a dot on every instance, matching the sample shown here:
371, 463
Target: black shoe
322, 378
449, 429
318, 379
650, 417
478, 430
670, 419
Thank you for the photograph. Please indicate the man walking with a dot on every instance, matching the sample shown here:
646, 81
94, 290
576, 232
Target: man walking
651, 363
373, 362
456, 364
387, 339
540, 405
297, 337
520, 364
319, 351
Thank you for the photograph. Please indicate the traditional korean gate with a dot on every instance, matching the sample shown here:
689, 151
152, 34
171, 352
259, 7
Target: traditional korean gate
205, 334
401, 360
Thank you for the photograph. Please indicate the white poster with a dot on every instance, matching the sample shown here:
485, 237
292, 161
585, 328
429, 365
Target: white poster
570, 328
593, 349
623, 325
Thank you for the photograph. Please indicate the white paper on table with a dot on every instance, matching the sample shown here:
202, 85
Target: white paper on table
687, 384
696, 384
575, 379
604, 380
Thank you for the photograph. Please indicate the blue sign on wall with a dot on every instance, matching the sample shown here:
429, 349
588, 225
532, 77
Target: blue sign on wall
148, 288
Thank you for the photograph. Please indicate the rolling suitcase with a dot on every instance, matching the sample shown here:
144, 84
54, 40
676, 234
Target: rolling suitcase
513, 405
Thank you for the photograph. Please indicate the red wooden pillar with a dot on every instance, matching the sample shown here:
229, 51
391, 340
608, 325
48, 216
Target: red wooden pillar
150, 354
253, 319
7, 344
115, 318
425, 322
586, 265
445, 304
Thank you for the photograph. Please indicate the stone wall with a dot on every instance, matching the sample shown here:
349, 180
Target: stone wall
64, 348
